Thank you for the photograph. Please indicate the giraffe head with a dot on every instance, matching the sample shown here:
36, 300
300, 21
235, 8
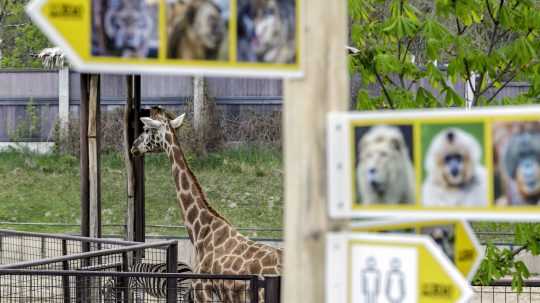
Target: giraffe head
156, 127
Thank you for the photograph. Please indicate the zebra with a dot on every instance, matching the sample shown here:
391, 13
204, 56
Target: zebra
152, 286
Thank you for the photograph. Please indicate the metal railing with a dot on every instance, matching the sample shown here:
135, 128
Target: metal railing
36, 267
501, 291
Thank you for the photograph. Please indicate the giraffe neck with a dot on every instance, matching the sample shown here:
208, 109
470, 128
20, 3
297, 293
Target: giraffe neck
199, 217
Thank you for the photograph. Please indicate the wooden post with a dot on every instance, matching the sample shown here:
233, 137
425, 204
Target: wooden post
129, 159
85, 194
200, 112
135, 219
94, 114
63, 100
324, 88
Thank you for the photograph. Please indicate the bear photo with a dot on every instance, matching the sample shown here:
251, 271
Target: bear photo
454, 171
384, 165
516, 150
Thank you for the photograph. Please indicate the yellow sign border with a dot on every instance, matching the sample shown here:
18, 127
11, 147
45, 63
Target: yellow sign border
63, 33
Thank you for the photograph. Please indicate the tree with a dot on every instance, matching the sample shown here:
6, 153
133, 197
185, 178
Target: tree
416, 51
20, 40
483, 43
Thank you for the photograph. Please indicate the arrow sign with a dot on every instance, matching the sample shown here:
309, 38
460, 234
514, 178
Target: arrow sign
371, 268
172, 36
435, 164
455, 237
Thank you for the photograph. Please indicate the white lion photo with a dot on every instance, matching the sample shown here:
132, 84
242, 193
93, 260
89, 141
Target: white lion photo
384, 171
455, 175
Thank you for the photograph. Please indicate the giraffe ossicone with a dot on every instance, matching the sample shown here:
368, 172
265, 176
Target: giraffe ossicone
219, 247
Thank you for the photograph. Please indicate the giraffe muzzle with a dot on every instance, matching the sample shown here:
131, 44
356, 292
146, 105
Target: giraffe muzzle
135, 151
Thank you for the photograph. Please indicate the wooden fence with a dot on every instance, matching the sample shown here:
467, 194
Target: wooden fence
18, 88
40, 88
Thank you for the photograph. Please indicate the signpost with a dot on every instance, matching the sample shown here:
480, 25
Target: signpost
455, 238
210, 37
481, 164
377, 268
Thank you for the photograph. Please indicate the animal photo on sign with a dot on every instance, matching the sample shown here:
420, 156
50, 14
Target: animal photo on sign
125, 28
454, 168
444, 237
516, 153
384, 165
198, 29
267, 31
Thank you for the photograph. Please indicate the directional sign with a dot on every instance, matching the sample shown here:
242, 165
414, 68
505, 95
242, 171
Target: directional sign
369, 268
482, 164
212, 37
455, 238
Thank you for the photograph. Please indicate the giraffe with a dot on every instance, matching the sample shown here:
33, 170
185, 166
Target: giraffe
219, 247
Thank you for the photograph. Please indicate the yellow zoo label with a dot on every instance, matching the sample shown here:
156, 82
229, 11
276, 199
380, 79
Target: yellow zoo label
480, 164
178, 37
455, 238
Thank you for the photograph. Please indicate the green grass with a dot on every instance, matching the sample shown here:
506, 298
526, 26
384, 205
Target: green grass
244, 184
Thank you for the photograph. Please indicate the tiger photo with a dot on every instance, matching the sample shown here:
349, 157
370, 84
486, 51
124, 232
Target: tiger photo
127, 29
197, 30
266, 31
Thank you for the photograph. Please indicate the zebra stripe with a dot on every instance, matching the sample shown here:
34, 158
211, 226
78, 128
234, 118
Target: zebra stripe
153, 286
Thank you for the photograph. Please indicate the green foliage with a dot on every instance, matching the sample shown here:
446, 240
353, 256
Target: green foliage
416, 51
501, 262
21, 40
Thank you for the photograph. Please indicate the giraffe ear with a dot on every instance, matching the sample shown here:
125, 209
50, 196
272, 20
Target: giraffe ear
178, 121
150, 123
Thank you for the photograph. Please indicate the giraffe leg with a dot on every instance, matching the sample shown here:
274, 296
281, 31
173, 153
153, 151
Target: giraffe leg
203, 291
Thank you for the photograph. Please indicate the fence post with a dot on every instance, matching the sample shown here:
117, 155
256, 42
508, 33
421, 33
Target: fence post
134, 165
123, 284
272, 289
307, 101
63, 100
84, 172
172, 267
65, 279
43, 248
254, 287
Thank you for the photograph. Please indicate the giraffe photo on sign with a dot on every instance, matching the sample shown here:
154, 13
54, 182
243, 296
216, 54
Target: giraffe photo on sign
127, 29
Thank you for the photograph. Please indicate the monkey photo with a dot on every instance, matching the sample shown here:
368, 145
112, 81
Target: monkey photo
125, 28
384, 166
455, 175
517, 157
266, 31
198, 30
444, 237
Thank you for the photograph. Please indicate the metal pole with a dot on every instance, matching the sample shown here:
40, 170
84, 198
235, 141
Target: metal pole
272, 289
65, 279
254, 287
172, 267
